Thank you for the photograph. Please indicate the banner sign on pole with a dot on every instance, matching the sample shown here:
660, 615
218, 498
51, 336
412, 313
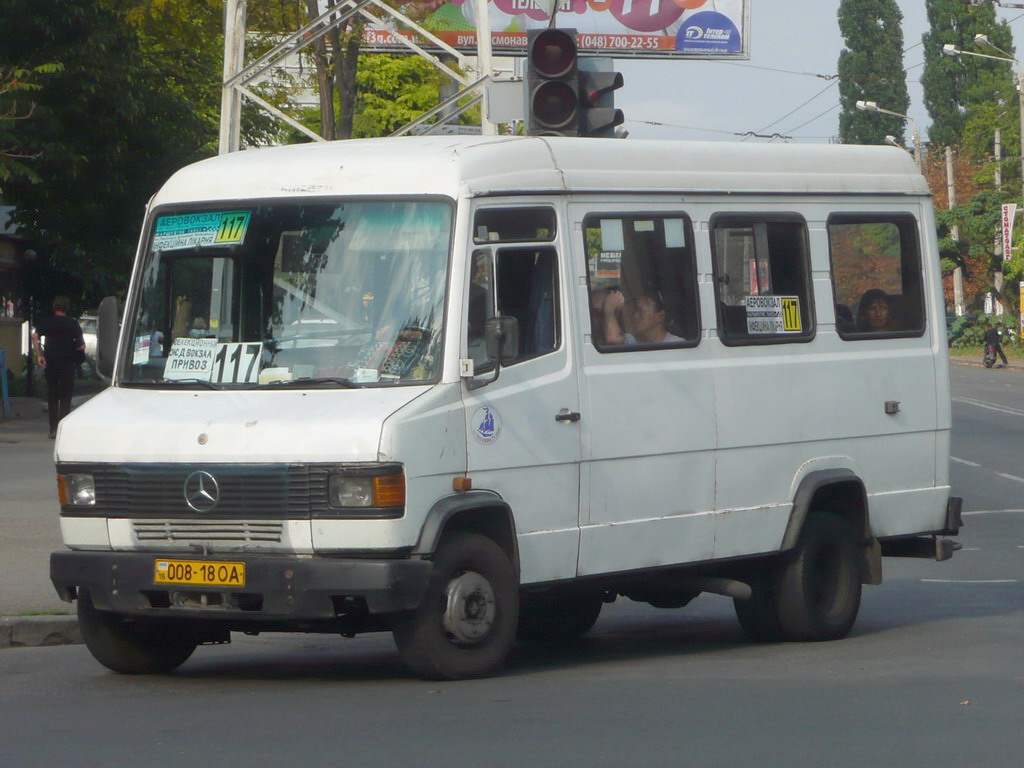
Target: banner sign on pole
645, 29
1009, 210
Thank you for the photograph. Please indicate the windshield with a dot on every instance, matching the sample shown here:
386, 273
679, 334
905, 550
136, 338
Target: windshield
266, 295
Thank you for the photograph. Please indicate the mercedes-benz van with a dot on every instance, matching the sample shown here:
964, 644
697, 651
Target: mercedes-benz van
472, 389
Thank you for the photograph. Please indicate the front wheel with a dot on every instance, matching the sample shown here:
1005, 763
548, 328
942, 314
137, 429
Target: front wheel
465, 624
128, 647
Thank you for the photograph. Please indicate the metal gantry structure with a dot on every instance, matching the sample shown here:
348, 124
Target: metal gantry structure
238, 76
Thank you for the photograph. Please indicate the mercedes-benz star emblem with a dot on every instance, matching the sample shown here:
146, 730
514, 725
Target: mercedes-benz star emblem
201, 491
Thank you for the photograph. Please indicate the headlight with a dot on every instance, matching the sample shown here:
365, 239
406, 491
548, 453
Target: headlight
76, 489
346, 491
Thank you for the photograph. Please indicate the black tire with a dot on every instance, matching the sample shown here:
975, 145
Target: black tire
128, 647
554, 619
466, 622
759, 615
819, 587
813, 593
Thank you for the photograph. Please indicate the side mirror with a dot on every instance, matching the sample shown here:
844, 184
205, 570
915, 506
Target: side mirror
501, 337
501, 343
108, 328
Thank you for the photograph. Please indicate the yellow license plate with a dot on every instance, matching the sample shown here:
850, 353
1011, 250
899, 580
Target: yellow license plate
204, 573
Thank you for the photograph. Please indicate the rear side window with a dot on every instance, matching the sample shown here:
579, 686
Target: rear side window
876, 276
762, 283
642, 281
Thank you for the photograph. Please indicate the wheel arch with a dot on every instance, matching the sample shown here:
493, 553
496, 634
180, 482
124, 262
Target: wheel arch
837, 490
482, 512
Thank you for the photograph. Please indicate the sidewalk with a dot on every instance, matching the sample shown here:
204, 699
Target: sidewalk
29, 531
976, 361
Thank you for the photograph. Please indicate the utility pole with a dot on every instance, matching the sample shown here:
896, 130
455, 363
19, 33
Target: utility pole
958, 276
234, 60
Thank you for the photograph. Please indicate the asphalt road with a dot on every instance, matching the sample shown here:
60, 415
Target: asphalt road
932, 675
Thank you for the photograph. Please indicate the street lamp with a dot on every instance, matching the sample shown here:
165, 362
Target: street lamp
951, 50
871, 106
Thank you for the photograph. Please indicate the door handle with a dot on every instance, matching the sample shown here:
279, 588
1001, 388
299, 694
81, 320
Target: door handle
567, 415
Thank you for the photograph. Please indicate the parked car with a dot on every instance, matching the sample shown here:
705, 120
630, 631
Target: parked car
88, 323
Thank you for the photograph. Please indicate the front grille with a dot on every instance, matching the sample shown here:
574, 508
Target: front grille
269, 491
245, 532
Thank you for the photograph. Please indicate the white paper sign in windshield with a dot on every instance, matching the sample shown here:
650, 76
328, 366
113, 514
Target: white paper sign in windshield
707, 29
190, 359
208, 360
200, 230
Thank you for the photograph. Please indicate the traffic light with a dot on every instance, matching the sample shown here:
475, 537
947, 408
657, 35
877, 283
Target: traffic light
597, 86
552, 83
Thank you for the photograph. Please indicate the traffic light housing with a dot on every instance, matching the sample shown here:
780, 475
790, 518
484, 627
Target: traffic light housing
552, 83
597, 85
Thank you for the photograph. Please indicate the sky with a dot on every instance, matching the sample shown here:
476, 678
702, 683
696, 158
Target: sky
778, 89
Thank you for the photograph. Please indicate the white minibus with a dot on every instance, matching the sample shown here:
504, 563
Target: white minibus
471, 389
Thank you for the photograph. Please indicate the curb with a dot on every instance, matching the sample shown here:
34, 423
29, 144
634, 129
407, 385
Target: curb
34, 631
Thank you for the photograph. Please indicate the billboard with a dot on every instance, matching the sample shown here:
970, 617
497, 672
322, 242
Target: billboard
706, 29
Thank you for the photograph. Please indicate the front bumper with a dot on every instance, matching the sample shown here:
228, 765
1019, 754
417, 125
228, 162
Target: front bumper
278, 590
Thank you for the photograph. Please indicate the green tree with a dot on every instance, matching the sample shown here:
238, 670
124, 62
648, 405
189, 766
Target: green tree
957, 90
105, 132
15, 84
871, 69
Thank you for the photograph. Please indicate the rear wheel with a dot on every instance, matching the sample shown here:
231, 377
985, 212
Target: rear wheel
814, 593
132, 648
819, 588
759, 615
465, 624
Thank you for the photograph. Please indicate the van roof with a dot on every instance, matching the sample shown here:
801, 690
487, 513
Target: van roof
489, 165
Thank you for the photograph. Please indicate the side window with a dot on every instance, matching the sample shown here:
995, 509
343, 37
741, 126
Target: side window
762, 280
642, 281
481, 306
527, 289
876, 276
514, 225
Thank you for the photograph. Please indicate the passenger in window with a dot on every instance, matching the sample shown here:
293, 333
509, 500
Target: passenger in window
874, 312
646, 320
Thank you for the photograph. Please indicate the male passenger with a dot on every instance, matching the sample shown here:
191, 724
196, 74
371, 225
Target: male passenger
645, 317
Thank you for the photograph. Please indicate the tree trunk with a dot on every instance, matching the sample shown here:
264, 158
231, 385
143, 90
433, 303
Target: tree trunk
347, 64
325, 83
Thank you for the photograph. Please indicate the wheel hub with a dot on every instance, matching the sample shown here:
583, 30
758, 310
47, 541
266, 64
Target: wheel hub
469, 608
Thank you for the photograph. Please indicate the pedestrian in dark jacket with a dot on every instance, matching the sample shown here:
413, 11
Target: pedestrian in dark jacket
992, 339
59, 355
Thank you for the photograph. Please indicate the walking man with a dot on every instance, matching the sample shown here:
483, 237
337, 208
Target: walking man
58, 356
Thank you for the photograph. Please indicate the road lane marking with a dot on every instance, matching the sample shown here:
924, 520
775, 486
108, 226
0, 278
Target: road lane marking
993, 512
1011, 477
964, 461
989, 406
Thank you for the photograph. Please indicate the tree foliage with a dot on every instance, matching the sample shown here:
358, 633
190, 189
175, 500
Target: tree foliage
105, 133
957, 90
15, 84
871, 69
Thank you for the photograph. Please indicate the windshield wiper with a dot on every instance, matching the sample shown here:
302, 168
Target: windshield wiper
201, 382
322, 382
163, 383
